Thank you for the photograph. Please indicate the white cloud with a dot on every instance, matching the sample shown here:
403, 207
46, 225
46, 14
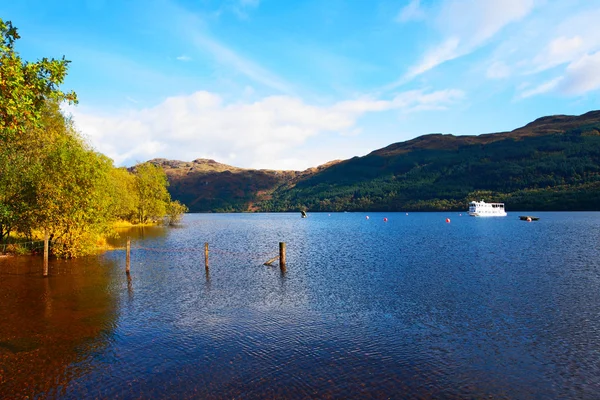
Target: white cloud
193, 31
184, 58
543, 88
569, 40
411, 12
579, 77
446, 51
263, 133
476, 21
230, 58
582, 75
498, 70
465, 26
555, 38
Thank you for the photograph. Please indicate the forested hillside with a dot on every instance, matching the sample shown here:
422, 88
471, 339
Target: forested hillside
208, 186
552, 163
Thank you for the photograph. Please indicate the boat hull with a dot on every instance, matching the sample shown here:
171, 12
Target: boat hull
485, 215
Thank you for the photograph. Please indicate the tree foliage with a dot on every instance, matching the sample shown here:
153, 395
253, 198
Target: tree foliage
51, 181
26, 86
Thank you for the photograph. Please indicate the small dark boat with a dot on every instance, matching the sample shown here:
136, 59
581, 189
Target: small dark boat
528, 218
303, 214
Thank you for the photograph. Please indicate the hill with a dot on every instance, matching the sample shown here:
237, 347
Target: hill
208, 186
552, 163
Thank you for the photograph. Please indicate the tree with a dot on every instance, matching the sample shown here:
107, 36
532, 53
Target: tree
25, 86
25, 90
51, 181
174, 212
123, 193
151, 188
72, 202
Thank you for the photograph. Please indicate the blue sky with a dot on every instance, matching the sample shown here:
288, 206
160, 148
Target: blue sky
293, 84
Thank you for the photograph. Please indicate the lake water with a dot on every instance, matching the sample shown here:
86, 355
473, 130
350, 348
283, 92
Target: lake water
409, 308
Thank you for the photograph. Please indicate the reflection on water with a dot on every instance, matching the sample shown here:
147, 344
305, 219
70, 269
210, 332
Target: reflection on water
414, 307
50, 327
140, 233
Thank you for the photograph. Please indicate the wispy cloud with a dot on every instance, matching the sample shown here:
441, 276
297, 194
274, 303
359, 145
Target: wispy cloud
568, 46
448, 50
411, 12
567, 41
241, 8
184, 58
581, 76
498, 70
465, 26
229, 58
247, 133
542, 88
192, 30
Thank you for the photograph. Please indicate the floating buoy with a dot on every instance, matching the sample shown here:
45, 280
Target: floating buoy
447, 219
385, 220
460, 215
528, 219
367, 217
406, 213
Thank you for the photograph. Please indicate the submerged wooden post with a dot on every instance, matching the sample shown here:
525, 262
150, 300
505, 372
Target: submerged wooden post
46, 254
206, 256
128, 257
282, 256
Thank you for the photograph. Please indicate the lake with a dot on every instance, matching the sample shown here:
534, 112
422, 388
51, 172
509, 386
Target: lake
414, 307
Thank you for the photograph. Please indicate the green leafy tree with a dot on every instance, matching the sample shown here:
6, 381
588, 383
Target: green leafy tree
72, 203
153, 197
123, 194
25, 86
175, 211
25, 90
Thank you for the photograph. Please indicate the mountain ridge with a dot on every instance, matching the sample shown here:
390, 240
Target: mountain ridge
554, 157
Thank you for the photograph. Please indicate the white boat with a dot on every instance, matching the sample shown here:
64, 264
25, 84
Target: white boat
483, 209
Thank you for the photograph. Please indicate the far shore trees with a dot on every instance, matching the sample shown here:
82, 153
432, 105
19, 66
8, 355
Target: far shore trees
51, 181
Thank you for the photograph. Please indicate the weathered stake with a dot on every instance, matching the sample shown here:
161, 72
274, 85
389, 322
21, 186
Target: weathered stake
271, 260
282, 256
128, 257
206, 256
46, 254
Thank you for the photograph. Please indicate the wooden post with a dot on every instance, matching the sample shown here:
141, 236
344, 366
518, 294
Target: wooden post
128, 257
206, 256
46, 254
282, 256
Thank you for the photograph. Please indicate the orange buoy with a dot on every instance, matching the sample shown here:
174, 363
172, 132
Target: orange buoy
447, 219
385, 220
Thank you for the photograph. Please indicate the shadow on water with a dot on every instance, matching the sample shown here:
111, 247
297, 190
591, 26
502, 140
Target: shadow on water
51, 327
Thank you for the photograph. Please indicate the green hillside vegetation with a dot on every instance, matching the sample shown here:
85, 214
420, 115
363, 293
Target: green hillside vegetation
208, 186
552, 163
51, 181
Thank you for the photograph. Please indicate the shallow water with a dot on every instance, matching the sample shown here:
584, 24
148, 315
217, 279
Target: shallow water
412, 307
